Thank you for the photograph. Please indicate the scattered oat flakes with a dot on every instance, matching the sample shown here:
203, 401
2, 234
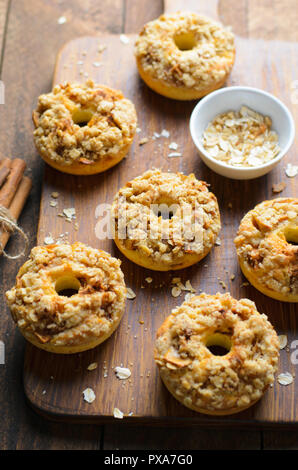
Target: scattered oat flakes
124, 39
218, 241
165, 133
130, 293
143, 141
55, 195
232, 277
189, 287
69, 213
92, 366
49, 240
117, 413
173, 146
223, 284
242, 138
174, 154
278, 187
53, 203
149, 280
244, 284
283, 341
62, 20
96, 64
122, 373
138, 130
291, 170
101, 48
89, 395
176, 291
285, 378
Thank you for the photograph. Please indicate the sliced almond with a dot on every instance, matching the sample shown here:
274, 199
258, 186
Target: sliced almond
89, 395
92, 366
130, 293
176, 360
118, 413
285, 378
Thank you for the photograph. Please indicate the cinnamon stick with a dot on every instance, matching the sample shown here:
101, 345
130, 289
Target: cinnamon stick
17, 205
5, 165
10, 187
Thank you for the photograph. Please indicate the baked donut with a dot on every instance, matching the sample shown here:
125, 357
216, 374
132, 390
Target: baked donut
68, 298
267, 248
165, 221
184, 56
83, 129
198, 376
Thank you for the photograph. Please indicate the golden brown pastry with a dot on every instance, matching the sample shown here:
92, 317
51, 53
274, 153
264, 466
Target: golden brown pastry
198, 376
83, 129
184, 56
267, 248
68, 298
165, 221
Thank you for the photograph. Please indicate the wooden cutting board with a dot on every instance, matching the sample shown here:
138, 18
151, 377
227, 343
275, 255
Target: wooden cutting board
54, 384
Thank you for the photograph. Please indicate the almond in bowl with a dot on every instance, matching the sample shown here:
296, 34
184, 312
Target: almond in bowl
241, 138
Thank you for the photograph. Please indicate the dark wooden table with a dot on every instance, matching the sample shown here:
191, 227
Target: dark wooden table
30, 37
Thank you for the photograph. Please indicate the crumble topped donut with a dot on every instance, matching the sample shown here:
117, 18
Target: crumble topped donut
165, 221
267, 248
184, 56
68, 298
211, 383
83, 128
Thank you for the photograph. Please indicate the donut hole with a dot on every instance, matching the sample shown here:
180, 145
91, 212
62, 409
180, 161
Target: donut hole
219, 344
82, 117
185, 41
164, 210
291, 235
67, 286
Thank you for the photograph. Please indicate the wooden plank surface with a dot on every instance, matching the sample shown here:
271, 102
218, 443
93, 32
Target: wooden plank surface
21, 428
264, 64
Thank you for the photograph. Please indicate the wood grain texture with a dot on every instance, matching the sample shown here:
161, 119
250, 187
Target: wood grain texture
263, 64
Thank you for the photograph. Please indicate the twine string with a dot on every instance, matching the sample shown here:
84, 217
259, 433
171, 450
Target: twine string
9, 224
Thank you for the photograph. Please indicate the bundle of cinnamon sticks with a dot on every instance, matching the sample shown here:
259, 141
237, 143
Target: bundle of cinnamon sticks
14, 190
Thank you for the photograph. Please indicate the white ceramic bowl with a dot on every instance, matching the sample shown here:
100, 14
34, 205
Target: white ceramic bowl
231, 99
